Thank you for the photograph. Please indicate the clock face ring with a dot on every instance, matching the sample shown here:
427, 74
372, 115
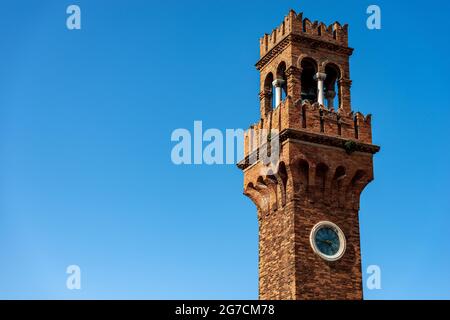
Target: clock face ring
328, 241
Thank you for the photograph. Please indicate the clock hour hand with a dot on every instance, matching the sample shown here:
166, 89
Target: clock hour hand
328, 242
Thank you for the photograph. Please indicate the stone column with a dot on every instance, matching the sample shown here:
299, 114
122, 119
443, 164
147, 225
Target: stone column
320, 77
278, 84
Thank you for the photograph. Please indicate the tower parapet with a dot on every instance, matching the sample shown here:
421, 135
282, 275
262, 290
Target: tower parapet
295, 24
322, 123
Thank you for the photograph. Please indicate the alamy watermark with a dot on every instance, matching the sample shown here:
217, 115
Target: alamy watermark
73, 281
73, 21
217, 147
374, 20
374, 279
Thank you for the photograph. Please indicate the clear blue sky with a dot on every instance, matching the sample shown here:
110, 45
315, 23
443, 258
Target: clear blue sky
85, 123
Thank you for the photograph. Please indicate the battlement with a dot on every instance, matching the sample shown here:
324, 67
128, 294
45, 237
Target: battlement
294, 23
311, 118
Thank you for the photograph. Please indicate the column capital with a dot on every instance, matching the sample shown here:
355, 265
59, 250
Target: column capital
320, 76
278, 83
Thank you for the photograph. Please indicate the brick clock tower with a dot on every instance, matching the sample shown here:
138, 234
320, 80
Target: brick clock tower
309, 244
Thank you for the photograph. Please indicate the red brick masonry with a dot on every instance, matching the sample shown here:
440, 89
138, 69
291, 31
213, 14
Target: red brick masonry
325, 163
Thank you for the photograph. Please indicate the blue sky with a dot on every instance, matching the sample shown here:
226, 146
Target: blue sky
85, 123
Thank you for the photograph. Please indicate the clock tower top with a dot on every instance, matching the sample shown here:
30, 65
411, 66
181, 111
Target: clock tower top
309, 61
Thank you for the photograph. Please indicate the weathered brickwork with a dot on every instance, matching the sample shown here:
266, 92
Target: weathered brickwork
325, 162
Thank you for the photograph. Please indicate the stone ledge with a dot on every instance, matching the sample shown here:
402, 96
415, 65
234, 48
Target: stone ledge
318, 139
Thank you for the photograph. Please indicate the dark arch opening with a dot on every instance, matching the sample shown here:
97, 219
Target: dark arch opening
339, 174
331, 86
260, 183
303, 167
321, 178
281, 74
283, 174
268, 88
309, 85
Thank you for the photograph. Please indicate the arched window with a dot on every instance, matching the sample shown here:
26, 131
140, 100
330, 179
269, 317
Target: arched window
268, 89
331, 86
281, 74
309, 85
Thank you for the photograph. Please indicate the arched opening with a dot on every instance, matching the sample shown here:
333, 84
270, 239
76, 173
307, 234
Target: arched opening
283, 173
303, 168
268, 89
260, 184
321, 179
272, 185
281, 75
359, 175
339, 174
331, 86
308, 84
284, 178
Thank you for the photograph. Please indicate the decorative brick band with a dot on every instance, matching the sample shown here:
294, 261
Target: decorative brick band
315, 43
348, 145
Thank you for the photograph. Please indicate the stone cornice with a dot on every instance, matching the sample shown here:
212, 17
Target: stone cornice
297, 38
348, 145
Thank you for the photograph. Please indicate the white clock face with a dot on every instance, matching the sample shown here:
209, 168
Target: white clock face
328, 241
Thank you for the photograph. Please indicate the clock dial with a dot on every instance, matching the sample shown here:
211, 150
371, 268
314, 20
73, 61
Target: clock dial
327, 241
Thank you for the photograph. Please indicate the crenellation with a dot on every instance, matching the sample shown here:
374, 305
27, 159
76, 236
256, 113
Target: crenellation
310, 28
314, 118
330, 120
364, 127
294, 23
